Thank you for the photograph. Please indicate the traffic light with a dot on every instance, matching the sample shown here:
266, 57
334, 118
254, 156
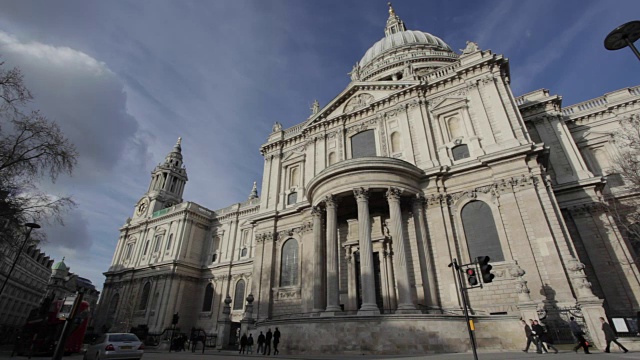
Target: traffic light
485, 269
471, 277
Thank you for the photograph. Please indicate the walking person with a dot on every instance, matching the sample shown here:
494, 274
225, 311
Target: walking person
276, 341
260, 349
267, 342
543, 336
250, 344
528, 334
610, 336
579, 335
243, 343
536, 338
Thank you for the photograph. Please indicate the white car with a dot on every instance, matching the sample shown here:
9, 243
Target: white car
115, 346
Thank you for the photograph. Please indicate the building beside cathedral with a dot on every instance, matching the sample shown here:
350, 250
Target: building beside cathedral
425, 157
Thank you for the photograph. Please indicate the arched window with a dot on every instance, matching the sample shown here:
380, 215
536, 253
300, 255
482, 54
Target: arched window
146, 248
460, 152
156, 246
238, 297
214, 257
455, 128
169, 242
243, 252
332, 158
289, 267
480, 231
294, 176
208, 298
144, 299
363, 144
174, 182
395, 142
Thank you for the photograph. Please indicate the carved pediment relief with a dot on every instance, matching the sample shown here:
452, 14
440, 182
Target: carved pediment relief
358, 102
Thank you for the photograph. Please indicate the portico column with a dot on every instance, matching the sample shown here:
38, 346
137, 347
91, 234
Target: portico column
333, 296
318, 264
423, 244
397, 235
369, 306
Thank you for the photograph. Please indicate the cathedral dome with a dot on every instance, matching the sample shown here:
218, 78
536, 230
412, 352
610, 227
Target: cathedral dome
400, 39
402, 54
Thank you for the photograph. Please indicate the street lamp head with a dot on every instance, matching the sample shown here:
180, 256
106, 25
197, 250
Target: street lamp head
32, 225
623, 36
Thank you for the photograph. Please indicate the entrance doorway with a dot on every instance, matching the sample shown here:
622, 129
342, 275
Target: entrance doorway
376, 277
234, 337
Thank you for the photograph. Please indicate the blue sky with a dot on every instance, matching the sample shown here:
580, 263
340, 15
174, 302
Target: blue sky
124, 79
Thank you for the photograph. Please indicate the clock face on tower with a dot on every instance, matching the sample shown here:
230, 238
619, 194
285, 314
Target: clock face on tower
142, 207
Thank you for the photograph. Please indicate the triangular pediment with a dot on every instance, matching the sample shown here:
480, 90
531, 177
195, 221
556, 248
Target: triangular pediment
358, 96
449, 102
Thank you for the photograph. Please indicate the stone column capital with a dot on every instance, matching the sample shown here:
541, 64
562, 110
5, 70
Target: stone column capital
361, 194
316, 211
330, 201
394, 194
418, 201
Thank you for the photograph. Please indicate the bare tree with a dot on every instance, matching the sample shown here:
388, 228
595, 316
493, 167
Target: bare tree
32, 149
624, 204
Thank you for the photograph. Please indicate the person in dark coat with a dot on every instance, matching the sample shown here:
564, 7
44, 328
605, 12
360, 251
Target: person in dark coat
250, 344
610, 336
579, 335
267, 343
276, 341
536, 337
243, 343
543, 336
527, 332
260, 348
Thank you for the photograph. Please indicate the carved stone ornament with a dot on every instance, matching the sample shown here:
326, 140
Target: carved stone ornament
361, 193
394, 193
330, 201
316, 211
276, 127
265, 237
579, 280
471, 47
358, 102
288, 294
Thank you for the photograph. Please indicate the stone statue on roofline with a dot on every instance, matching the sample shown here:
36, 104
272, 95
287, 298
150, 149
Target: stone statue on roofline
471, 47
276, 127
315, 107
355, 72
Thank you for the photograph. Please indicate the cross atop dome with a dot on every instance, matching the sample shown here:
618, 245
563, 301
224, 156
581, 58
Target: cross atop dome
394, 24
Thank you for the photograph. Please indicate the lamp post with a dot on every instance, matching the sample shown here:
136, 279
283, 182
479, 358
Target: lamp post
623, 36
31, 226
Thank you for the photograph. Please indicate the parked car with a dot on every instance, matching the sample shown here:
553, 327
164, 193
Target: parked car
115, 346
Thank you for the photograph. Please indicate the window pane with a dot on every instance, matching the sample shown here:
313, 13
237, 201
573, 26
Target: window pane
289, 267
238, 298
481, 232
208, 298
460, 152
363, 144
145, 296
292, 198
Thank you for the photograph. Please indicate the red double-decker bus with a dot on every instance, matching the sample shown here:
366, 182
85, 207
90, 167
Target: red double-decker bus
42, 330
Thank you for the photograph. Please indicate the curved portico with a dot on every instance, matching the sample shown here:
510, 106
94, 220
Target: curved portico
371, 190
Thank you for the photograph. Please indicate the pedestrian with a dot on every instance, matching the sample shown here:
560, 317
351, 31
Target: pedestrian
536, 338
637, 322
250, 344
276, 341
267, 342
579, 335
243, 343
610, 336
528, 334
543, 336
260, 348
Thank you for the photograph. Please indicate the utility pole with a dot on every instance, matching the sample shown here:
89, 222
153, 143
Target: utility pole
463, 293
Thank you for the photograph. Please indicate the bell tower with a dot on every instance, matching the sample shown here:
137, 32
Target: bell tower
167, 184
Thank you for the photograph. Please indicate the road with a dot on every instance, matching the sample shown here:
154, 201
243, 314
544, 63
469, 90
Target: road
232, 355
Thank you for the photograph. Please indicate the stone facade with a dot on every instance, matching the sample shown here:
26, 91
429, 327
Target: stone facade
425, 157
25, 289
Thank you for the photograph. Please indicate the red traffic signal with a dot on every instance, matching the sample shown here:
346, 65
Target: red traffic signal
472, 279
